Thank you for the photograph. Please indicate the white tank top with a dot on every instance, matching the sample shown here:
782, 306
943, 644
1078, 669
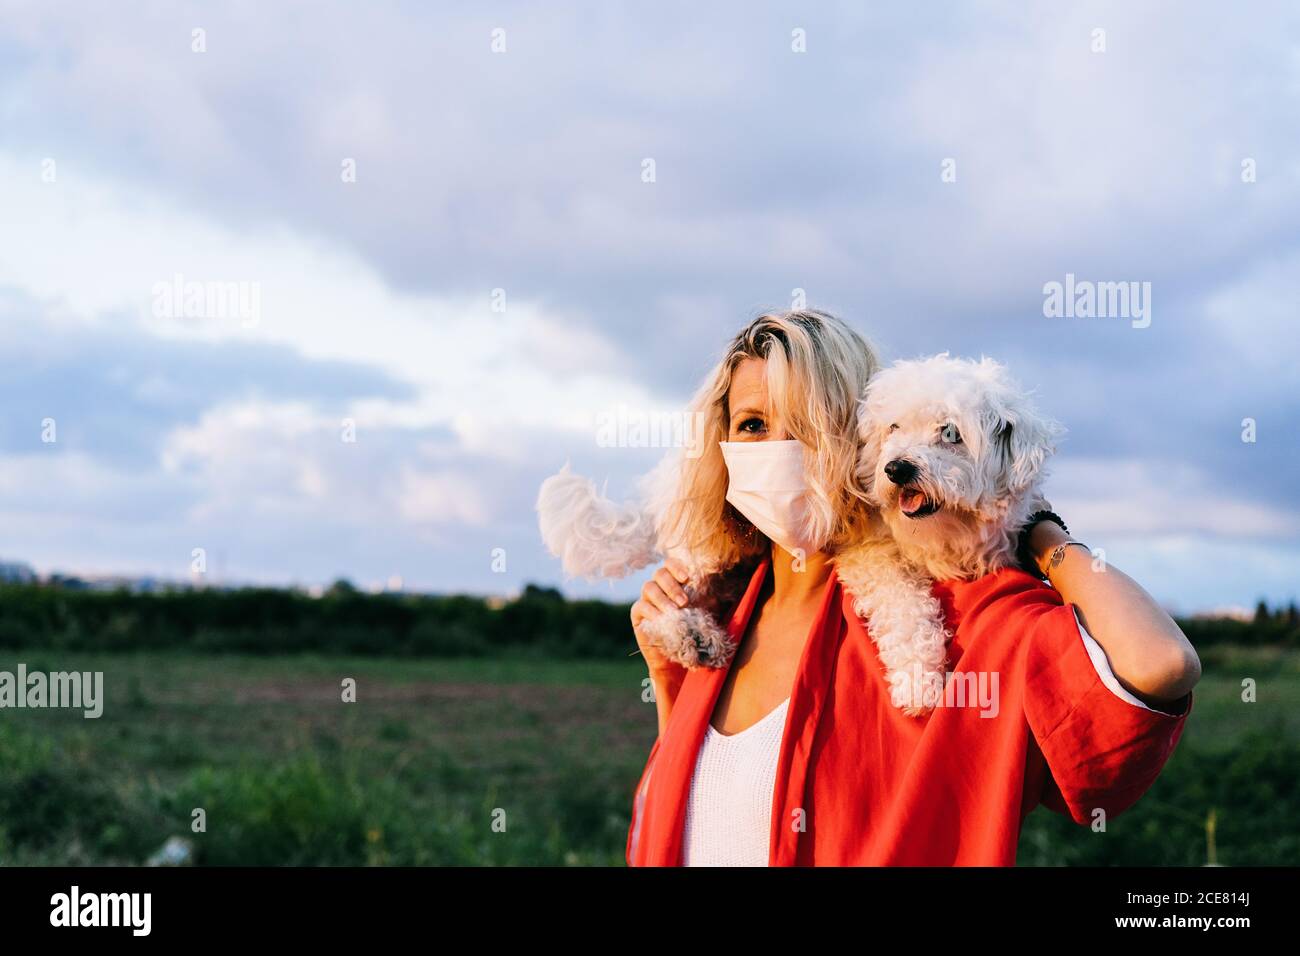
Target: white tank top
729, 814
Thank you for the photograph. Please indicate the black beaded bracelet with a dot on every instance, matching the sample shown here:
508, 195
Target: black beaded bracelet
1022, 545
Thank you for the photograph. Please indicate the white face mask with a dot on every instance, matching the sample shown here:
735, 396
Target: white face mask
767, 485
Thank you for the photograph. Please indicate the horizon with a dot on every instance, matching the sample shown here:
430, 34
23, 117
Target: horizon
316, 589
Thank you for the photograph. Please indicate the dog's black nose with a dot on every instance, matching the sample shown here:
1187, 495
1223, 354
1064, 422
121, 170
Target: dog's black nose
900, 471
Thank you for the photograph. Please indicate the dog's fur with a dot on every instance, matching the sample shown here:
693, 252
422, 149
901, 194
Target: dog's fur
978, 491
903, 617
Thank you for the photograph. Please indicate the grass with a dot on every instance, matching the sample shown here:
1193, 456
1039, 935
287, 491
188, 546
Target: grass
504, 762
414, 772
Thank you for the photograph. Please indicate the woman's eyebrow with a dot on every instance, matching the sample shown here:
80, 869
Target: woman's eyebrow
747, 411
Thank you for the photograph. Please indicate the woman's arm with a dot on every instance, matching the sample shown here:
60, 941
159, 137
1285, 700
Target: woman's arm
666, 684
1148, 653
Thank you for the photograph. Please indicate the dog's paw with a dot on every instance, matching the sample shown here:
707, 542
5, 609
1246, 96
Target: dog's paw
714, 646
690, 637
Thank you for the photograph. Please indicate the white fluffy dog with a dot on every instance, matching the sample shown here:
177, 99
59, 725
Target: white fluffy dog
953, 453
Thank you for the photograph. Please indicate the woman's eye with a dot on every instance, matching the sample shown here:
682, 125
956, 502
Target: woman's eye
950, 434
751, 425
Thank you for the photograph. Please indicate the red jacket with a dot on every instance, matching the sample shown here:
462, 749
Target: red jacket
859, 783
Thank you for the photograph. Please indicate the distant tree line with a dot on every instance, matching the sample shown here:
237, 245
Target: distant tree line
342, 621
347, 621
1276, 626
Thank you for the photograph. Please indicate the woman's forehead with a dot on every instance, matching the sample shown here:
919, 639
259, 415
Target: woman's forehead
748, 385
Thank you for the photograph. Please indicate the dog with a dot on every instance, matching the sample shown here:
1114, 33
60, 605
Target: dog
953, 453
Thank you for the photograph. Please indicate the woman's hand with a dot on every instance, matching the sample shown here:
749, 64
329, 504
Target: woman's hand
663, 592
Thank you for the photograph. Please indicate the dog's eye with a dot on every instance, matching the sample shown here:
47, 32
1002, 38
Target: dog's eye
950, 434
893, 428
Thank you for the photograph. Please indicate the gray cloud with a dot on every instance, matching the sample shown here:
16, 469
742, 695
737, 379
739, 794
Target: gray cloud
116, 394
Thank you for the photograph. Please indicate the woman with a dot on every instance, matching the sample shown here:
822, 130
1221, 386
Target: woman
792, 754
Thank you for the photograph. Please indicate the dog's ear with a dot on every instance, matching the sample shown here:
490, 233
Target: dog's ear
1026, 440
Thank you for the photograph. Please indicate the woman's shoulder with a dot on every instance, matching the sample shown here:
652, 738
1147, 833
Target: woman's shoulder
1008, 598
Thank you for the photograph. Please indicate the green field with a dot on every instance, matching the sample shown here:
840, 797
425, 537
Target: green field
417, 770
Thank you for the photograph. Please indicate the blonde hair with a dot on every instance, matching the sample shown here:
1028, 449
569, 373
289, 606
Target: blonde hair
816, 368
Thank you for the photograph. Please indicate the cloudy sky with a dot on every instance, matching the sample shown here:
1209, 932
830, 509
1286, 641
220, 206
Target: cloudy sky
924, 173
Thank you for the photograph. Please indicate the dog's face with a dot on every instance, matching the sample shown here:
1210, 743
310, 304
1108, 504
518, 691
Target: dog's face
952, 451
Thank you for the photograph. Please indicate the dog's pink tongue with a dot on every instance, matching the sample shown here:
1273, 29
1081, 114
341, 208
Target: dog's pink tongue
910, 501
